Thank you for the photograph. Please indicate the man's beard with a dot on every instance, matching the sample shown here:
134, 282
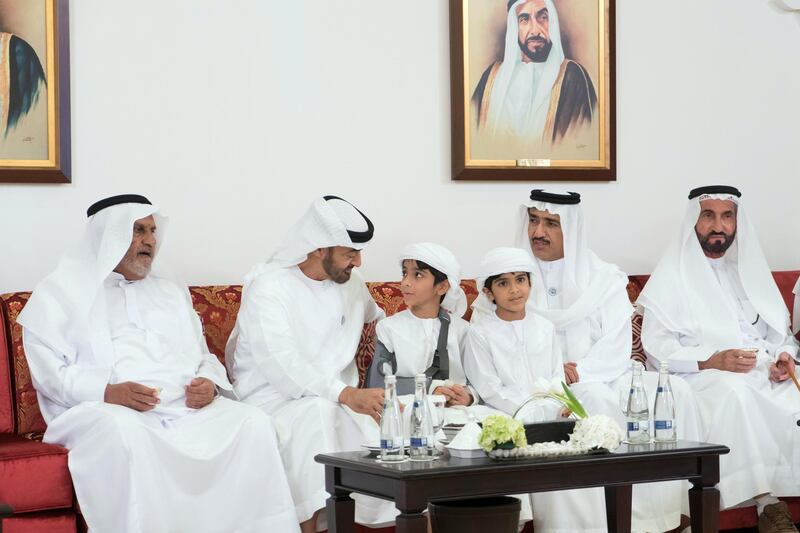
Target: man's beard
338, 275
716, 247
135, 264
541, 54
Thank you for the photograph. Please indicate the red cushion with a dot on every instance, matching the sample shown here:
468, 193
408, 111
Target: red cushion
217, 306
51, 522
6, 398
33, 475
785, 281
746, 517
28, 417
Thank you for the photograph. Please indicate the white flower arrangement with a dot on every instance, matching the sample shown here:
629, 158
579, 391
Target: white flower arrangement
597, 431
591, 433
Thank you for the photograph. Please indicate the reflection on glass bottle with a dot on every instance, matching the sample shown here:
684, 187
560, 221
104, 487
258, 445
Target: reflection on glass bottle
391, 424
638, 410
421, 443
664, 411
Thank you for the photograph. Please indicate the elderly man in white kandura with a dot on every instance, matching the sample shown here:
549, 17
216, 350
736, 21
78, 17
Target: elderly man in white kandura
126, 382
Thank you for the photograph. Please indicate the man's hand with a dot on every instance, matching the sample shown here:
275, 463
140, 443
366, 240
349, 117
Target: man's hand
200, 392
133, 395
741, 361
364, 401
571, 373
455, 395
779, 370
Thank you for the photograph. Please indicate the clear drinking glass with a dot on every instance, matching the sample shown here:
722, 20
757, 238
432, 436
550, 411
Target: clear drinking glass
438, 403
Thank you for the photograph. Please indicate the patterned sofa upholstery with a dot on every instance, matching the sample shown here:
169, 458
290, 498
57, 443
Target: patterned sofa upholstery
33, 476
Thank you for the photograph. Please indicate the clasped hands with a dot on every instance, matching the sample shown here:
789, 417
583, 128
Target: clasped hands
455, 394
199, 393
744, 361
779, 370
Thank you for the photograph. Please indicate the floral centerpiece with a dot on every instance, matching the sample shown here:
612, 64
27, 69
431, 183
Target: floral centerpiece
503, 433
504, 438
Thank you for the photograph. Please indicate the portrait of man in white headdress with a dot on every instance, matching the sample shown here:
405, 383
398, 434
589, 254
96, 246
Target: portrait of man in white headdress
537, 97
23, 85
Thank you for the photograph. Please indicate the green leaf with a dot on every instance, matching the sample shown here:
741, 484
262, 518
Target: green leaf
574, 405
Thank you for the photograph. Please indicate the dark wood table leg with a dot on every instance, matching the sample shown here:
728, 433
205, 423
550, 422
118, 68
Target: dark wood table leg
411, 522
704, 497
411, 500
704, 508
341, 513
340, 506
618, 508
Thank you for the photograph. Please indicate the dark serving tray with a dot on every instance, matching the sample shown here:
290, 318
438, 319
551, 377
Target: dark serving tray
554, 431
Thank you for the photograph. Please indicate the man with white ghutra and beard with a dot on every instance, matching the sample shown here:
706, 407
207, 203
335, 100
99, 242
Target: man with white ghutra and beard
712, 310
292, 351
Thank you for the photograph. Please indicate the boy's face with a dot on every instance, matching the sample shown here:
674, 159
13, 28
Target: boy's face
510, 291
418, 286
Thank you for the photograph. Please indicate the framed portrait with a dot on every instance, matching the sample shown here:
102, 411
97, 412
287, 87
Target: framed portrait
34, 91
532, 89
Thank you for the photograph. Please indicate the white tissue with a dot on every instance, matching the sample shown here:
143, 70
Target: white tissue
467, 438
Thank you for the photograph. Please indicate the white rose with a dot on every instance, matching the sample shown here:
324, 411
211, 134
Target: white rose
597, 431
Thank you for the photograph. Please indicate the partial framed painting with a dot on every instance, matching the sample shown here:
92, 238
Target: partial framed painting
34, 91
532, 89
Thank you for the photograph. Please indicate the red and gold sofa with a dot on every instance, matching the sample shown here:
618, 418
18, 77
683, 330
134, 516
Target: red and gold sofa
34, 478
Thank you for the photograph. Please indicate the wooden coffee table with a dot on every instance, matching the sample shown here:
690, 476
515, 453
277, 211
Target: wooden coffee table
412, 485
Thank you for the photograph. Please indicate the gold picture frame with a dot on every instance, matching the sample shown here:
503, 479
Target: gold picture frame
34, 89
533, 90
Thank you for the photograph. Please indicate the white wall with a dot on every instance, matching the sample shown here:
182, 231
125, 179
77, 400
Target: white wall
234, 114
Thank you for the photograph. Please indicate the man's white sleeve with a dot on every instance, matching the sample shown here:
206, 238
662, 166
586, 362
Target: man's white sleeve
210, 367
787, 343
60, 381
661, 344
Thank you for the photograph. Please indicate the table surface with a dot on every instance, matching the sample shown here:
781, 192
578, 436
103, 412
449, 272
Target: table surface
412, 485
362, 461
